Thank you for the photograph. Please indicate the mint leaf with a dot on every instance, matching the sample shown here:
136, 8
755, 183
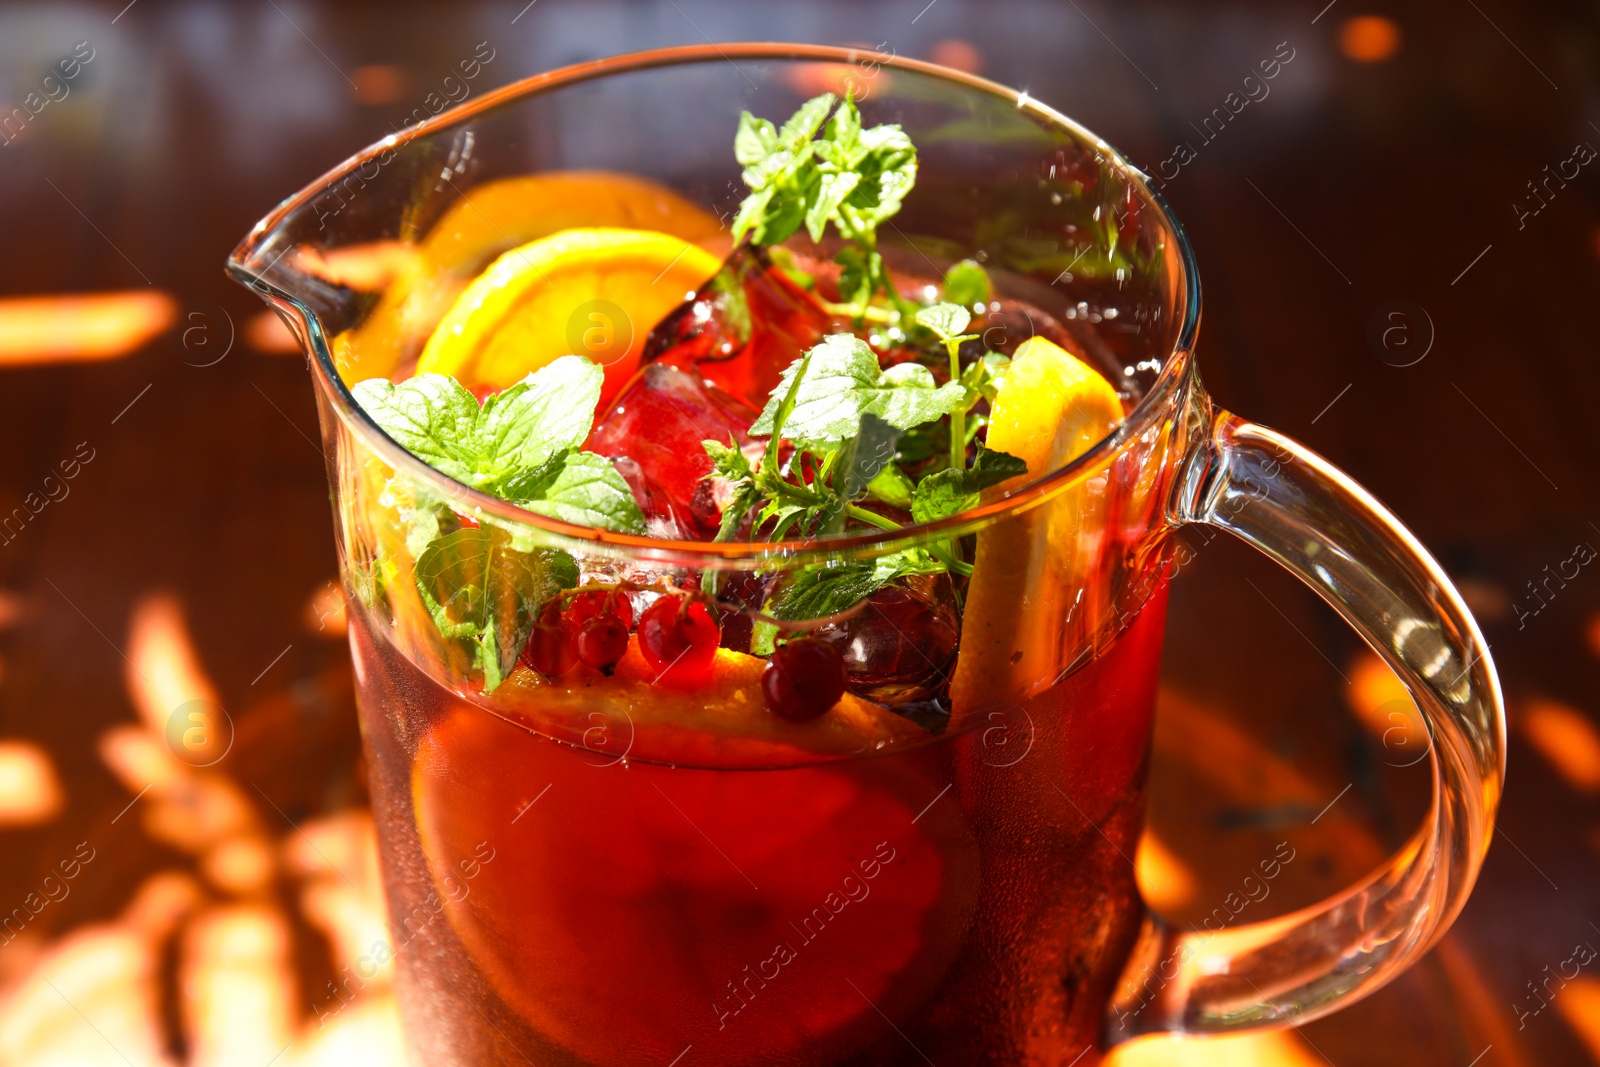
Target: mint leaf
832, 189
838, 381
983, 377
952, 491
892, 487
582, 488
883, 156
763, 637
432, 416
778, 170
967, 284
945, 320
827, 589
484, 595
520, 444
548, 412
754, 141
804, 123
730, 463
852, 177
906, 396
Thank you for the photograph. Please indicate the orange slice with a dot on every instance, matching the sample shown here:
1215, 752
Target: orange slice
1051, 408
492, 218
634, 909
596, 293
498, 215
724, 722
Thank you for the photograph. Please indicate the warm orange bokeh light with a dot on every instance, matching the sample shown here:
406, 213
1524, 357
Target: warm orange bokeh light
265, 332
378, 83
957, 54
163, 672
1566, 739
860, 78
1374, 692
325, 611
81, 326
1165, 881
1369, 38
244, 865
1579, 1003
368, 268
1256, 1050
238, 993
30, 793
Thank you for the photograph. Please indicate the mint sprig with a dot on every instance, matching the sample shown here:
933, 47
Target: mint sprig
845, 417
947, 321
522, 444
483, 584
850, 177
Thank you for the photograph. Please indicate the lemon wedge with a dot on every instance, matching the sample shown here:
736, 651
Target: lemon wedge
1050, 409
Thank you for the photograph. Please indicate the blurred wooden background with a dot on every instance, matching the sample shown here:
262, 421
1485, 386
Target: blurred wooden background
1399, 269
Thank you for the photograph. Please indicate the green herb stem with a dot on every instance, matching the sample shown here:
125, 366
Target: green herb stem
871, 518
958, 417
867, 314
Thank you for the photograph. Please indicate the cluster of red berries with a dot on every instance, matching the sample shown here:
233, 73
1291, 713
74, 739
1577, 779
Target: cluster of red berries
678, 639
591, 627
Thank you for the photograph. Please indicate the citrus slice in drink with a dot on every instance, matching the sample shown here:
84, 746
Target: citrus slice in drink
632, 908
490, 219
721, 722
1050, 408
501, 214
592, 292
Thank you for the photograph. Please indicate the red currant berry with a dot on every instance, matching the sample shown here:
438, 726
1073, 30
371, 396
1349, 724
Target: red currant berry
803, 679
901, 644
551, 649
601, 641
679, 638
593, 602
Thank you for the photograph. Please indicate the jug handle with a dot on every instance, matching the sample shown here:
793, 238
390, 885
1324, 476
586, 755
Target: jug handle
1300, 510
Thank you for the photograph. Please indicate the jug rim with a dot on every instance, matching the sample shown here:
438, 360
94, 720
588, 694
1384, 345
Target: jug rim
1155, 405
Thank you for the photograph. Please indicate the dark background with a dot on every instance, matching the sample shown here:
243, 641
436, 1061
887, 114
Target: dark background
1386, 174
